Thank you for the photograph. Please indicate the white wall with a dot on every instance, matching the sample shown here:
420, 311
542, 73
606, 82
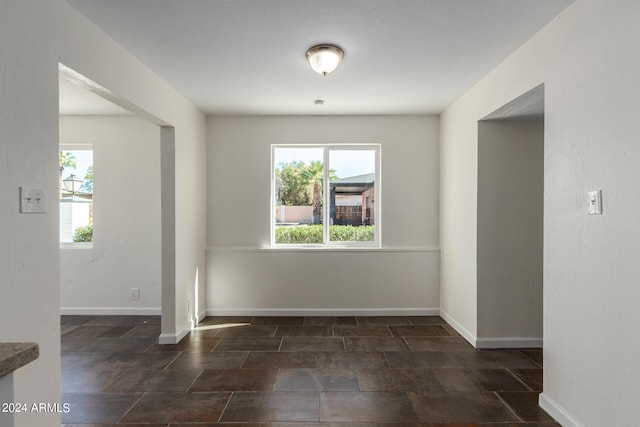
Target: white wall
35, 35
29, 266
126, 248
245, 276
128, 78
510, 218
584, 57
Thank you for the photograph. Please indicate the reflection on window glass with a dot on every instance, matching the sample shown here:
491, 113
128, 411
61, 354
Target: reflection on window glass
76, 195
352, 195
298, 175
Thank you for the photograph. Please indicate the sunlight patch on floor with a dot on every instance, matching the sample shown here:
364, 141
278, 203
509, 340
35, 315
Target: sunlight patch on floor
220, 326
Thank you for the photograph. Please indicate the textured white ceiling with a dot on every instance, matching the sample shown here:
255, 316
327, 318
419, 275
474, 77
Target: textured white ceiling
248, 56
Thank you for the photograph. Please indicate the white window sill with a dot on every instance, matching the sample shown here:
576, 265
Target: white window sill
76, 245
301, 249
321, 248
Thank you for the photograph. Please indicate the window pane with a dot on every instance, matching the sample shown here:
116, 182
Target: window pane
76, 195
352, 191
298, 174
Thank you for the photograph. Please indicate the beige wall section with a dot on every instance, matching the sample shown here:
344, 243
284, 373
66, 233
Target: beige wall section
263, 282
29, 261
127, 78
35, 36
510, 216
458, 224
126, 246
294, 214
242, 274
590, 262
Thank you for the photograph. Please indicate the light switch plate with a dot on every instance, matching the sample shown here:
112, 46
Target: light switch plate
32, 200
595, 202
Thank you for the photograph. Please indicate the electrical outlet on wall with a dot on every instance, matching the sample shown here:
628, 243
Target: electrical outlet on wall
135, 294
595, 202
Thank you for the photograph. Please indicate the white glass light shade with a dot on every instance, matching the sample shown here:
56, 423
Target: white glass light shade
324, 58
72, 183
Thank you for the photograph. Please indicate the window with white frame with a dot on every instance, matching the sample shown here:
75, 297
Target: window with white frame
325, 195
76, 195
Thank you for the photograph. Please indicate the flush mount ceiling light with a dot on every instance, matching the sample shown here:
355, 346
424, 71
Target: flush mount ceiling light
324, 58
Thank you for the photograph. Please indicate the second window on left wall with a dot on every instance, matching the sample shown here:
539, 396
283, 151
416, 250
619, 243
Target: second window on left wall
76, 195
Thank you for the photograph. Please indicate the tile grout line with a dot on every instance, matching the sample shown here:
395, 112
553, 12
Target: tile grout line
180, 353
273, 387
246, 357
504, 402
384, 353
194, 380
216, 344
518, 378
531, 359
407, 344
226, 406
148, 348
131, 407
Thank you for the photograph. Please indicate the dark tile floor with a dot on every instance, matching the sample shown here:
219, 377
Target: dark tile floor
293, 371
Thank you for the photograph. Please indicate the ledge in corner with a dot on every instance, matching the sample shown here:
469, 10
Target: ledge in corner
15, 355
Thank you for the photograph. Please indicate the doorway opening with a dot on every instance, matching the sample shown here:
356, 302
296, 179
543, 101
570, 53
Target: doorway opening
125, 270
510, 223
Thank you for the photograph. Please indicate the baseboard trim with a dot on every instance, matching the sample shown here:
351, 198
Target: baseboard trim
459, 328
173, 338
557, 412
509, 342
110, 311
322, 312
485, 343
